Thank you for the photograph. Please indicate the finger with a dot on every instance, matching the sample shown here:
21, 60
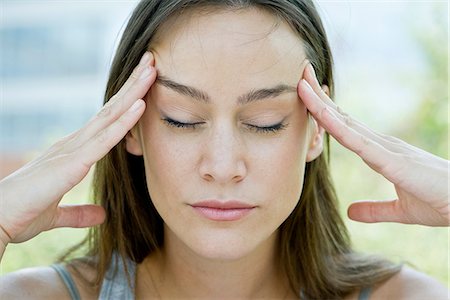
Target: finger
310, 76
136, 87
99, 145
79, 216
317, 104
147, 60
377, 211
375, 155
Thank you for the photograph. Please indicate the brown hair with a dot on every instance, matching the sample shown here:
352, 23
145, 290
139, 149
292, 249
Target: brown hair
315, 250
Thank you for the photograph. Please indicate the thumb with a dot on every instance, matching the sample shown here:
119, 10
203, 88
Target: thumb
376, 211
79, 216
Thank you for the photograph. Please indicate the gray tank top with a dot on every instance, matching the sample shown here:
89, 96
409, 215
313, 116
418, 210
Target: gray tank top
115, 284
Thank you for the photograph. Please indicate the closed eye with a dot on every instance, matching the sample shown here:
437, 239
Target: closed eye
258, 129
267, 129
178, 124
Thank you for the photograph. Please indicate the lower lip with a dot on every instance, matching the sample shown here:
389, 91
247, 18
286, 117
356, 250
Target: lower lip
217, 214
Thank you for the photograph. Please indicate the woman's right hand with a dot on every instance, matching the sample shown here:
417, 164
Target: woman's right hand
30, 196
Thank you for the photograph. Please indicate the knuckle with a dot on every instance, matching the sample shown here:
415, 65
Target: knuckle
400, 144
390, 138
340, 111
321, 111
135, 74
113, 99
344, 129
348, 120
365, 140
363, 146
105, 111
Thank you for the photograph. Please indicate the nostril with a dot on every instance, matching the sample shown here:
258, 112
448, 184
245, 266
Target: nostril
238, 178
208, 177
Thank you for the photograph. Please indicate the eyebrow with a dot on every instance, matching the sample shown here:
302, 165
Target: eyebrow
201, 96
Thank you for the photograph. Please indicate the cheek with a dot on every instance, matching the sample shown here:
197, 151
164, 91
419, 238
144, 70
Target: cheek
285, 157
279, 172
282, 168
166, 170
168, 160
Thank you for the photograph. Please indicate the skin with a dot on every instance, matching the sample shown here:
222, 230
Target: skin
67, 162
224, 158
420, 178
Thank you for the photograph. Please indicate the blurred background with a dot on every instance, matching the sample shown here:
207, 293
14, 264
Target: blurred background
391, 62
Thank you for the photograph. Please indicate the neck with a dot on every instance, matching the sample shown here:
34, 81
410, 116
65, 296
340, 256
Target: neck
175, 271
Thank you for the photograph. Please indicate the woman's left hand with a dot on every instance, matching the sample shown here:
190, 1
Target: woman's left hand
421, 179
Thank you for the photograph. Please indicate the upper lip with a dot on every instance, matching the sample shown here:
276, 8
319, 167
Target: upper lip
231, 204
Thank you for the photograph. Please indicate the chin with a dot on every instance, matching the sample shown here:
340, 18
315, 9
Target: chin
223, 252
222, 241
223, 245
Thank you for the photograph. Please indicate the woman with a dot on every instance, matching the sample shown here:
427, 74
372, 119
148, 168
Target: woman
215, 185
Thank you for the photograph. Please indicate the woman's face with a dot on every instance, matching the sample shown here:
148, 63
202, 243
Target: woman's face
233, 75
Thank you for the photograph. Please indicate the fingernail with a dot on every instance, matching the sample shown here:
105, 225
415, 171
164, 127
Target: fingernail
311, 69
145, 59
146, 72
304, 82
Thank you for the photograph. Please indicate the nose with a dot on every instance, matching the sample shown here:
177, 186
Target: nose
223, 157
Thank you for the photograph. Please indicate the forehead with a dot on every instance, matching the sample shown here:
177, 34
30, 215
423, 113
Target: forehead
243, 49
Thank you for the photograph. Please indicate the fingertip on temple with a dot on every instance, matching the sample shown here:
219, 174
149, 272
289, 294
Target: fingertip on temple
304, 86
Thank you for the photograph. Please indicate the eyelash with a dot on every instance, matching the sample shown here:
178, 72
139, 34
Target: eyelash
258, 129
177, 124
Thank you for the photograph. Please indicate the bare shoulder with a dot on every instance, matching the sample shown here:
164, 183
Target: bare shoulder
43, 283
35, 283
411, 284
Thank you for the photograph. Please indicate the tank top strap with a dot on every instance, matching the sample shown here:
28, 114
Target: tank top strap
68, 281
115, 284
364, 294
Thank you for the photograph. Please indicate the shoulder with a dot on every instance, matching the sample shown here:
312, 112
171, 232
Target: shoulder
410, 284
36, 283
44, 283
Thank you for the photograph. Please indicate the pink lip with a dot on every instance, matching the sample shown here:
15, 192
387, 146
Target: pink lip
223, 211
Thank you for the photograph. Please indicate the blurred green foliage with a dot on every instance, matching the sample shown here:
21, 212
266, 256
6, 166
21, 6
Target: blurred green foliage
427, 126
